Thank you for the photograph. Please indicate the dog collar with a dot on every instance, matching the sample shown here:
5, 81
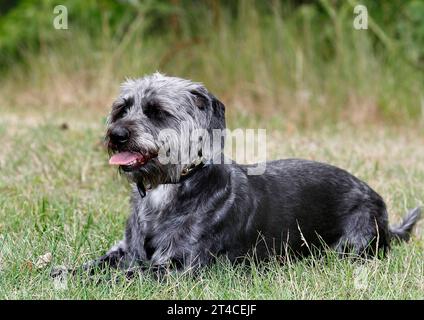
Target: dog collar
187, 172
191, 168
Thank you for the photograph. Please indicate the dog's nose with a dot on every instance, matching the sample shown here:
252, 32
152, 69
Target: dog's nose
119, 135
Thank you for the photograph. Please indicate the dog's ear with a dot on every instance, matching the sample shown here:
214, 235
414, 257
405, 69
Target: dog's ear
218, 113
201, 98
207, 101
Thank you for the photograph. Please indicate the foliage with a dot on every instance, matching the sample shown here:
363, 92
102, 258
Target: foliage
297, 60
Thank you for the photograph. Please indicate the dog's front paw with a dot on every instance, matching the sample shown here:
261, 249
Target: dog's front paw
61, 271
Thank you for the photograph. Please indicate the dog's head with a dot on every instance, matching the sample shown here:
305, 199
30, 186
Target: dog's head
152, 119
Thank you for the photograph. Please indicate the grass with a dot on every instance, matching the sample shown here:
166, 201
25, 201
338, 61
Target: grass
58, 195
323, 90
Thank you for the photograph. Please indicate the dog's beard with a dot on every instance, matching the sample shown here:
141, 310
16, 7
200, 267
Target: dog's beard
154, 173
171, 157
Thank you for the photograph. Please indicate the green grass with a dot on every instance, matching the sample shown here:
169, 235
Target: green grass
323, 90
58, 195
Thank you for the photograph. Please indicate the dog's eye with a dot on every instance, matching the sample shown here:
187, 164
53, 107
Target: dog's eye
119, 107
154, 111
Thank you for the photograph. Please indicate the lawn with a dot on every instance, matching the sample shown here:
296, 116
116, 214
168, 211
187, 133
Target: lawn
58, 195
322, 89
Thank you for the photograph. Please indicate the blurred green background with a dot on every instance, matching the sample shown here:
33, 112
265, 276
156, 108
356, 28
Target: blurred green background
290, 63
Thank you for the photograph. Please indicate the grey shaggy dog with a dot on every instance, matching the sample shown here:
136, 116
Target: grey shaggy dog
186, 215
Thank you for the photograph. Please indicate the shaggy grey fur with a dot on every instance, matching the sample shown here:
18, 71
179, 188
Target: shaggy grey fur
219, 210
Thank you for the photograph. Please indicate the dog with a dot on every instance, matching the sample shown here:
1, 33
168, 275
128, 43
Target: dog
184, 216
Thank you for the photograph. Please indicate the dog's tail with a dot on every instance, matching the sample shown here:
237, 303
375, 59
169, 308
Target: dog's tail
404, 229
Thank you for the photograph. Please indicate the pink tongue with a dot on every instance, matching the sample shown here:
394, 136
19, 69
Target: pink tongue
123, 158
